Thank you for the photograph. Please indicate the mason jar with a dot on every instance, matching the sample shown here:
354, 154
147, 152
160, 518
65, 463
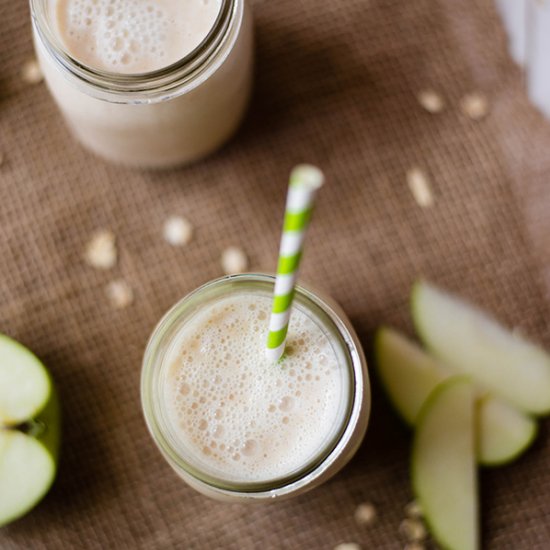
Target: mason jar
350, 422
171, 116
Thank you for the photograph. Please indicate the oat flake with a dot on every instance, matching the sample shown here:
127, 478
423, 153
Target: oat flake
101, 251
474, 105
415, 546
120, 294
419, 184
413, 510
177, 231
347, 546
413, 530
31, 72
234, 260
431, 101
365, 514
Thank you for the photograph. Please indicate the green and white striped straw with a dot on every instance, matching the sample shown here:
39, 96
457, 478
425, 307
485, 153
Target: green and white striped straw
305, 180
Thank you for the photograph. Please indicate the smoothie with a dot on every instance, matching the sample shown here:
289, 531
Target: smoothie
149, 83
236, 426
237, 415
132, 36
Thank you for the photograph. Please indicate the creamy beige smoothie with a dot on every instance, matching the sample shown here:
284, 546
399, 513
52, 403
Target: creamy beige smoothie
147, 82
132, 36
237, 415
236, 426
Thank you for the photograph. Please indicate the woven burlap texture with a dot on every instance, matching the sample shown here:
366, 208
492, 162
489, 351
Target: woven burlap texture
335, 85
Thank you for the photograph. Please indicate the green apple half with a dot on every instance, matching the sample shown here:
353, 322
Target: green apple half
443, 465
29, 430
410, 375
469, 341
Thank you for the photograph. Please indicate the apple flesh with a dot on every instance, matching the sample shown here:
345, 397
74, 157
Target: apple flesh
444, 467
503, 432
410, 375
469, 341
29, 430
24, 383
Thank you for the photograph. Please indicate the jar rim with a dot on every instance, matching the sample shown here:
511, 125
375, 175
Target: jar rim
356, 382
153, 86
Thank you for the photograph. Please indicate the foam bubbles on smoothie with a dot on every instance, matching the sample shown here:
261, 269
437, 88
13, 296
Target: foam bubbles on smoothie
133, 35
239, 415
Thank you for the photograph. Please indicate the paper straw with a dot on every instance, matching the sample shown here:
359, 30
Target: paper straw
305, 180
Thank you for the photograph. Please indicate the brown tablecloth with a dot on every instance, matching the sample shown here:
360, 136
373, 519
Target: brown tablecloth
336, 85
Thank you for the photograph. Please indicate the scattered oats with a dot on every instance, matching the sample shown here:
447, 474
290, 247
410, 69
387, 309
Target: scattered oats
101, 250
347, 546
234, 260
177, 231
431, 101
31, 72
415, 546
120, 294
413, 530
413, 510
365, 514
474, 105
419, 184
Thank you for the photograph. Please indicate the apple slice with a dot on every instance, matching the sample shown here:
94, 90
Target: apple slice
443, 465
24, 383
469, 341
503, 432
29, 430
410, 375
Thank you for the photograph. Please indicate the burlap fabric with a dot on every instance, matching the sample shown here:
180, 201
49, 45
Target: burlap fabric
336, 84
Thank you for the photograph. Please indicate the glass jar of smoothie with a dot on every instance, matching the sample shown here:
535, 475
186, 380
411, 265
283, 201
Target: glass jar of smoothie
235, 426
150, 83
